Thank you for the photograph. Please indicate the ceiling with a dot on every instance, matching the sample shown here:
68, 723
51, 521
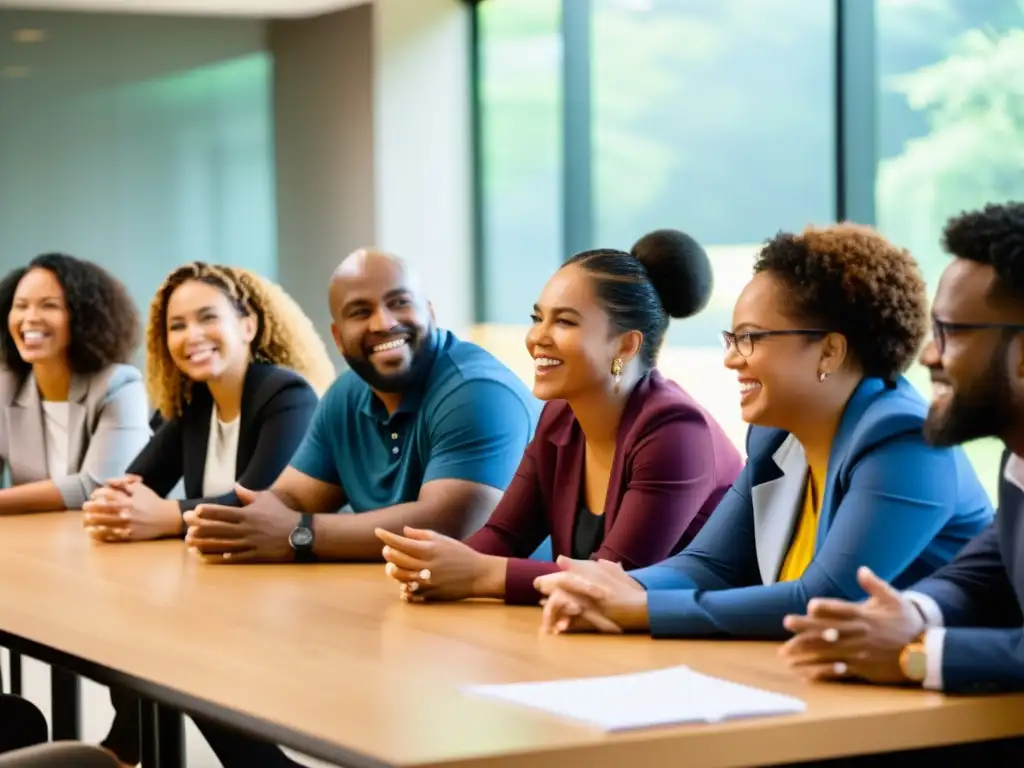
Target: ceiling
249, 8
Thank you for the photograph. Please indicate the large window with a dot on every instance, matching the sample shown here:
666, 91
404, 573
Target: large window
520, 53
722, 118
950, 128
711, 116
714, 117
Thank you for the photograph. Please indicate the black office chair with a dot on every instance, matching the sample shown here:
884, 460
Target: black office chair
21, 724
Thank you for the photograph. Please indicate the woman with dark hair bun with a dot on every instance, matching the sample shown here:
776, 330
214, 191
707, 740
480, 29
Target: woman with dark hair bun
73, 413
624, 466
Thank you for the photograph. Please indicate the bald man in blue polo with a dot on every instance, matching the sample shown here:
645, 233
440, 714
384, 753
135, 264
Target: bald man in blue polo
425, 430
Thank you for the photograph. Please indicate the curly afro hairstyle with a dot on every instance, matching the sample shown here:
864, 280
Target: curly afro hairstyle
285, 336
848, 279
103, 322
993, 236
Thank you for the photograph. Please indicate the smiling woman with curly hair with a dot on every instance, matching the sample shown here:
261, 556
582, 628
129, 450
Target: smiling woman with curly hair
283, 334
838, 472
72, 412
234, 367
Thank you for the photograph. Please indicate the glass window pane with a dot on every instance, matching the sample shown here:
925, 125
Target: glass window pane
520, 91
951, 128
715, 117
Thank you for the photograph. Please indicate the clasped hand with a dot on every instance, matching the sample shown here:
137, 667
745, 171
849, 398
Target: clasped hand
591, 596
432, 566
125, 509
842, 640
255, 532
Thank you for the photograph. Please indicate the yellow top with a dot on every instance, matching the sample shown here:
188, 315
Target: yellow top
801, 548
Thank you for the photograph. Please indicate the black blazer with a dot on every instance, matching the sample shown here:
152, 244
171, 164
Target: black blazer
277, 405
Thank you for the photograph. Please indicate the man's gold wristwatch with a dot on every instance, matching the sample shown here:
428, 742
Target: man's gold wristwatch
913, 661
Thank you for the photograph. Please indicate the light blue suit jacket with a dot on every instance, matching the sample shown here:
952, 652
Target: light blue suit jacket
891, 502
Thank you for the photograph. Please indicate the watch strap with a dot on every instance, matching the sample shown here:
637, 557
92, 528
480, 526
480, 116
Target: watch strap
304, 551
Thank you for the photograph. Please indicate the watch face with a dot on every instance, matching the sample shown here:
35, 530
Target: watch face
301, 537
917, 665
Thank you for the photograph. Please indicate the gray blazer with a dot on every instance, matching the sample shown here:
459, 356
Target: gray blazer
108, 424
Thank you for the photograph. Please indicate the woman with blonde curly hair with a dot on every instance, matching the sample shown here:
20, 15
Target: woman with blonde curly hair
232, 365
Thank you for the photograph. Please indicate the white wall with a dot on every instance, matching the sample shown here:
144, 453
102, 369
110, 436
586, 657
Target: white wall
422, 152
323, 124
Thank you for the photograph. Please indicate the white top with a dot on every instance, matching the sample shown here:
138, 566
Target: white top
221, 453
55, 418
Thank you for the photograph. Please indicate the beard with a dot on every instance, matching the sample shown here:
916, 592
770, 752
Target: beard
984, 409
422, 343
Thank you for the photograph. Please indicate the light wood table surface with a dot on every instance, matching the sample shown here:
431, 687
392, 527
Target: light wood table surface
327, 659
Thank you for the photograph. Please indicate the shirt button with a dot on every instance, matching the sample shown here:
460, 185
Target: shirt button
394, 435
395, 449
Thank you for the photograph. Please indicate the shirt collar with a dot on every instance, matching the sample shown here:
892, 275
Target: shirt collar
1014, 471
412, 398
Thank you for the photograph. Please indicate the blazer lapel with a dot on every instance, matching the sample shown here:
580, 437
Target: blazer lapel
28, 434
616, 476
859, 401
250, 388
77, 432
776, 504
195, 429
568, 487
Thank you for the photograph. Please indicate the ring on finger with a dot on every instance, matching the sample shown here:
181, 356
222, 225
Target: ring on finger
830, 634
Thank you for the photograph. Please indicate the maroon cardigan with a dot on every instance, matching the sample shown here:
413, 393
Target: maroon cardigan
673, 463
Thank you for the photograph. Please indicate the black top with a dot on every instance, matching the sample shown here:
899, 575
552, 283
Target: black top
587, 534
277, 405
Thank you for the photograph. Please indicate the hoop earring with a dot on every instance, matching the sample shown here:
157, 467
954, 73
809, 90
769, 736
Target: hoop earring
617, 372
821, 377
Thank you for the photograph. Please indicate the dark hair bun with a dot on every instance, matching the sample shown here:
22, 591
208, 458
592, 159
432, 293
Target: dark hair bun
678, 268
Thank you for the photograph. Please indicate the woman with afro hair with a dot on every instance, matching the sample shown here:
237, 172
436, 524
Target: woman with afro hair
234, 367
73, 413
838, 472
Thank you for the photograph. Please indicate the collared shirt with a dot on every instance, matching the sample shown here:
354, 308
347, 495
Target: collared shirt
471, 419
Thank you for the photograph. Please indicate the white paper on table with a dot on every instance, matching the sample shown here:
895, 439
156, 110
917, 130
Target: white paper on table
659, 697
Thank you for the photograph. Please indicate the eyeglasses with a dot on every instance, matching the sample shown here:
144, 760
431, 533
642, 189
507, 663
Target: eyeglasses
743, 343
941, 329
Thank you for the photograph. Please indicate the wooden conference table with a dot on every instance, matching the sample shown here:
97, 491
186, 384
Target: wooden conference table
326, 659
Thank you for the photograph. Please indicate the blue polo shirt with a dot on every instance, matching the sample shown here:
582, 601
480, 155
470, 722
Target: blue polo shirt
471, 420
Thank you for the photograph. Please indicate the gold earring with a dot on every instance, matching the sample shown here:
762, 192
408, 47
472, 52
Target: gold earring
617, 372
